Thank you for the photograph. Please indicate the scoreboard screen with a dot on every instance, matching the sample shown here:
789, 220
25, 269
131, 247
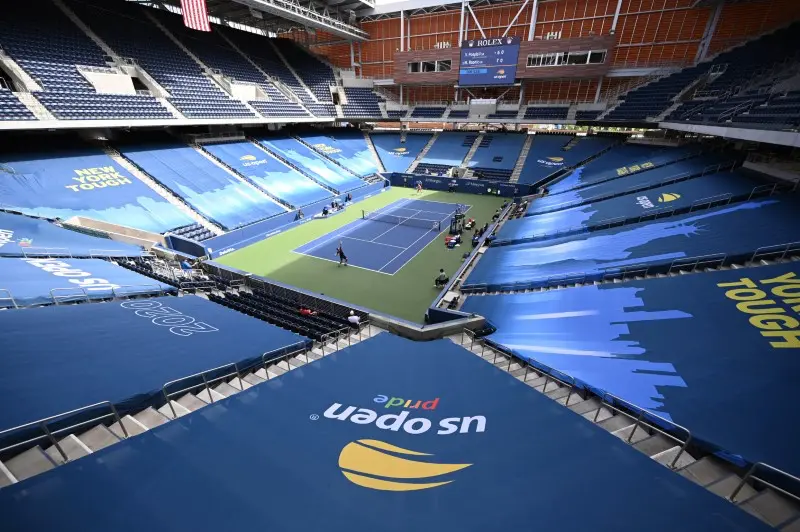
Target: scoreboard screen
488, 61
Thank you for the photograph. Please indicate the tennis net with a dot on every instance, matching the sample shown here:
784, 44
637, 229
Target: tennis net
433, 225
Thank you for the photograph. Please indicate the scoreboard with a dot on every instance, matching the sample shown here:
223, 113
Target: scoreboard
488, 61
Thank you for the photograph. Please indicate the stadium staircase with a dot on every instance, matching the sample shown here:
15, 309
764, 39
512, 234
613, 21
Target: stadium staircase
423, 153
87, 30
34, 106
334, 161
670, 447
18, 74
162, 191
374, 152
290, 164
471, 153
315, 150
279, 85
71, 443
206, 70
523, 156
291, 69
244, 179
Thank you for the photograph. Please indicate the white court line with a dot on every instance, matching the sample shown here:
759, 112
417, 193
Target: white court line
334, 237
348, 266
423, 247
393, 226
371, 242
442, 202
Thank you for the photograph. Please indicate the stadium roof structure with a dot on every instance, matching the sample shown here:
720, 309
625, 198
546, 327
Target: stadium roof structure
391, 8
278, 16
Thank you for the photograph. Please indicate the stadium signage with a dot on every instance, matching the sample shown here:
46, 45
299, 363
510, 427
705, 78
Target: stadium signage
625, 170
178, 323
251, 160
92, 178
772, 307
401, 421
552, 161
645, 202
82, 278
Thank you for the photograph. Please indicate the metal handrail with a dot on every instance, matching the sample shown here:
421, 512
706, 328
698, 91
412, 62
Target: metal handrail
47, 252
549, 372
48, 434
103, 253
695, 262
640, 420
604, 401
10, 296
114, 289
783, 249
751, 474
202, 375
56, 298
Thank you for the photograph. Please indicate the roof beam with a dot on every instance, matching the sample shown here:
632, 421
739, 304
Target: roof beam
308, 16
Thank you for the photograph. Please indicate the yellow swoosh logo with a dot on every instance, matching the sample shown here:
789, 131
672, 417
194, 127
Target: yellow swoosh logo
363, 460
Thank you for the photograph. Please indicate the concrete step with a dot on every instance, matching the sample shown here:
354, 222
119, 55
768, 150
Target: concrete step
98, 437
639, 433
209, 396
225, 389
545, 388
238, 384
588, 406
617, 422
528, 376
191, 402
295, 362
283, 365
150, 418
599, 416
317, 351
771, 507
725, 487
560, 393
655, 444
180, 410
132, 425
794, 526
456, 338
6, 477
251, 379
275, 371
574, 400
262, 374
314, 354
30, 463
705, 471
666, 458
72, 447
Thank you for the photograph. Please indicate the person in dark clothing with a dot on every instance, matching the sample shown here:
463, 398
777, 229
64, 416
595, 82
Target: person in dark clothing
341, 255
441, 279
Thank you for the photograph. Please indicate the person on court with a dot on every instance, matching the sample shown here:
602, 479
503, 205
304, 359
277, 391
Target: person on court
341, 255
441, 279
419, 187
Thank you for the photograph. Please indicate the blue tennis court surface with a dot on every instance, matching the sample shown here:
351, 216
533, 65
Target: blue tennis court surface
381, 246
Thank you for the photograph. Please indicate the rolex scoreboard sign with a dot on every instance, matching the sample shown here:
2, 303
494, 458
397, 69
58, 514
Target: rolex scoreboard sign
488, 61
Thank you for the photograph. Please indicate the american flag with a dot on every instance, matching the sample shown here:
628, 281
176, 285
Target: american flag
195, 15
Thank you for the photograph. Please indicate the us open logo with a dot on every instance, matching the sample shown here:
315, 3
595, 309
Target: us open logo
376, 464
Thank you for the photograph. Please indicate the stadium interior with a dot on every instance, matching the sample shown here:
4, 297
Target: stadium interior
237, 237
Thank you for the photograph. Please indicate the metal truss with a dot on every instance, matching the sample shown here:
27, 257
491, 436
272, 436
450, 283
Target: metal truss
311, 15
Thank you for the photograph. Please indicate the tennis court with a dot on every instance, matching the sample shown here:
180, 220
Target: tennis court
385, 240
